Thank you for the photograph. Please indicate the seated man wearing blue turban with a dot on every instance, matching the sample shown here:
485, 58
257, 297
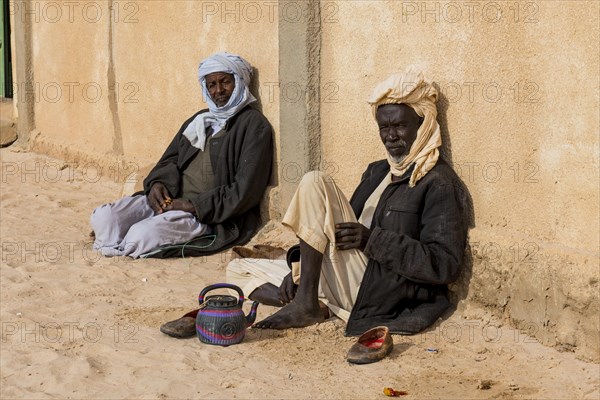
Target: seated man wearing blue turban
209, 181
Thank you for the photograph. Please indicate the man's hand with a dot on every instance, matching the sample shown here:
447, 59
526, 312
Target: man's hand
180, 204
351, 235
158, 197
287, 290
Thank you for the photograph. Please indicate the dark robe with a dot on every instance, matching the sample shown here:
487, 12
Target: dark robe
415, 250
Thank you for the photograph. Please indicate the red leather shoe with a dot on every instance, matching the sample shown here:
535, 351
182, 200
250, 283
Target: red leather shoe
372, 346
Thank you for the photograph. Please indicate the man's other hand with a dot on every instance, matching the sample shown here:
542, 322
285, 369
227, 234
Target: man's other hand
180, 204
158, 197
351, 235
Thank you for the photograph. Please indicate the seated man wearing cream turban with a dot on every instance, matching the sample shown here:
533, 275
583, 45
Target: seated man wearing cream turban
386, 256
208, 183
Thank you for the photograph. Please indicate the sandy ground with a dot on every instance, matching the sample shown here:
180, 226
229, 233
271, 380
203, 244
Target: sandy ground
75, 325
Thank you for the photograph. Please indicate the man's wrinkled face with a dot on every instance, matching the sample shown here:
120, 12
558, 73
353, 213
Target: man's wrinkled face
220, 86
398, 126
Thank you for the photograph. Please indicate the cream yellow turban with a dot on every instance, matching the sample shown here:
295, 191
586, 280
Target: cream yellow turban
412, 89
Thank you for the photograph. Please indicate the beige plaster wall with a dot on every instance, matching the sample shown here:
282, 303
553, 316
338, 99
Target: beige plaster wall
133, 69
520, 116
70, 60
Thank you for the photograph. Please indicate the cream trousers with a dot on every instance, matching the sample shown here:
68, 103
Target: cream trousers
316, 207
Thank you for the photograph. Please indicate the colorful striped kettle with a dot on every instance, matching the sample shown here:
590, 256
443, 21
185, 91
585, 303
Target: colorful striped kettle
221, 320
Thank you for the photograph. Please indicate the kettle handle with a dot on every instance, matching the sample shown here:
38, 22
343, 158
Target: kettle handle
221, 286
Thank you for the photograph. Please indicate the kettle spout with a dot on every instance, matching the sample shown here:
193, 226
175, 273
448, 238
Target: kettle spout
251, 317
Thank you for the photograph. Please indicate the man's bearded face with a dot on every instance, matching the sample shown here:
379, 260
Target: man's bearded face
398, 126
220, 86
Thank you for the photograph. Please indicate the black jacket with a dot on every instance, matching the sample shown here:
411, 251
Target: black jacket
241, 161
416, 248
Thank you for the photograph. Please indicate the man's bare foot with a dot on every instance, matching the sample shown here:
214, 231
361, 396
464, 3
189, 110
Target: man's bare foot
293, 315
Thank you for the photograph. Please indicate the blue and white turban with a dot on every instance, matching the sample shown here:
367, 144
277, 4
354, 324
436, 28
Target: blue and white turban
217, 117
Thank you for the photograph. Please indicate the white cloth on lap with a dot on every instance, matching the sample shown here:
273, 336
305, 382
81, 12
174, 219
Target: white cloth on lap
250, 273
